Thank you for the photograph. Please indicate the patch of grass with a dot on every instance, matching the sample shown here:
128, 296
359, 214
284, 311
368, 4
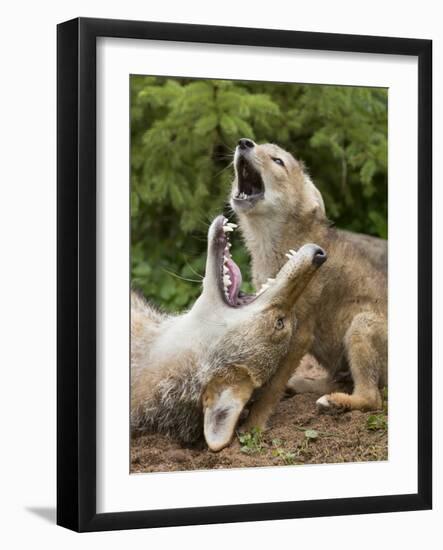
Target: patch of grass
301, 451
251, 442
313, 434
287, 457
377, 422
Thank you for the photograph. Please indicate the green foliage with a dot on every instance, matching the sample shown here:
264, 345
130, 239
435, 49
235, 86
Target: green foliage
183, 133
377, 422
251, 442
287, 457
300, 452
311, 434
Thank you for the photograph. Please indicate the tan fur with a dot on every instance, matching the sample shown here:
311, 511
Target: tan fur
343, 314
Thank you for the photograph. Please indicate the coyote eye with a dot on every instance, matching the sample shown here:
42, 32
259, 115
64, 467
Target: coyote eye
278, 161
280, 323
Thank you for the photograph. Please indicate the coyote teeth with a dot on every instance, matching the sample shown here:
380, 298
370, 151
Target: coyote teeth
241, 196
227, 228
270, 281
226, 281
293, 252
289, 255
233, 225
225, 270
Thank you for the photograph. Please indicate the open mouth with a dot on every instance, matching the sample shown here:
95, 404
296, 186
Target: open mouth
250, 187
229, 276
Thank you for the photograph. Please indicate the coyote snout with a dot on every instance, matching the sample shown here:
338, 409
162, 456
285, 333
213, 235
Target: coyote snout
264, 175
194, 373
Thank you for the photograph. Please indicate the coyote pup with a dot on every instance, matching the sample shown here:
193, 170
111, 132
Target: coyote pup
343, 313
195, 372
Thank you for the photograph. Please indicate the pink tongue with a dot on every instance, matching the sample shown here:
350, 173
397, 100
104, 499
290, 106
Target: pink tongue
236, 280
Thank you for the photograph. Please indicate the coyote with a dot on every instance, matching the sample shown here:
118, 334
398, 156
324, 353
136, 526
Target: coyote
343, 313
194, 373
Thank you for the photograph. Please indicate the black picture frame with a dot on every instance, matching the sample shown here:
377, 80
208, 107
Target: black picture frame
76, 265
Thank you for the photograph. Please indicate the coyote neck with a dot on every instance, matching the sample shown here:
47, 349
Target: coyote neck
269, 242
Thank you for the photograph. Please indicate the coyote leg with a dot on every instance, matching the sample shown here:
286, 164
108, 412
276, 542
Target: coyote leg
366, 348
262, 409
309, 377
301, 384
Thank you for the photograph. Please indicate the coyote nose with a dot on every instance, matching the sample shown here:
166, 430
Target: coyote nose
319, 257
245, 143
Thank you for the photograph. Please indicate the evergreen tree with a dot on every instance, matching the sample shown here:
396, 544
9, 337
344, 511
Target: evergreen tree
183, 133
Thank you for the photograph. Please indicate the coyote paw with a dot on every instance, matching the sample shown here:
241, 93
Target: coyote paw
333, 403
340, 402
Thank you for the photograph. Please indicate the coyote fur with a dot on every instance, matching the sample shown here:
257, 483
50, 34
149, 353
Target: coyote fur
342, 315
192, 374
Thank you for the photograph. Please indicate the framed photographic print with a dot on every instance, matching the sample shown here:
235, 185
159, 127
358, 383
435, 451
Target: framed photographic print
244, 274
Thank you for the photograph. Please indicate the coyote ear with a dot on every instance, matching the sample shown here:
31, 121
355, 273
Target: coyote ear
222, 406
315, 197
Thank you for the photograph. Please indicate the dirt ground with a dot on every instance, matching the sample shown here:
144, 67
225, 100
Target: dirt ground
297, 434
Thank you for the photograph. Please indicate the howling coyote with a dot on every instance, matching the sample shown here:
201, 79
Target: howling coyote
342, 315
193, 374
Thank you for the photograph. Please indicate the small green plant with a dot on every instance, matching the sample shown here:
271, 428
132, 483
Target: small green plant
287, 457
251, 442
377, 422
311, 435
314, 434
296, 455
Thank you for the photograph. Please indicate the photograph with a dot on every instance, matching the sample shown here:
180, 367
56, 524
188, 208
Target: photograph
221, 304
244, 274
259, 267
